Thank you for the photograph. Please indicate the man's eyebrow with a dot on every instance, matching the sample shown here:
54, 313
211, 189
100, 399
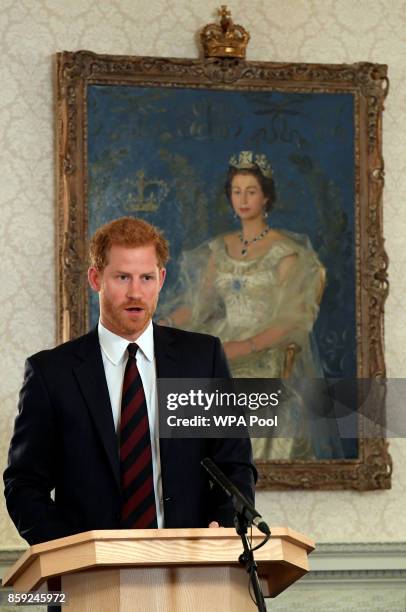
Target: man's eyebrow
148, 273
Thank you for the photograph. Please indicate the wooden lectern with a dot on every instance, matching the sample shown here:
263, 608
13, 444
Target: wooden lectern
157, 570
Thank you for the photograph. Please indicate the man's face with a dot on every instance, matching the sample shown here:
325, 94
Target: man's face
128, 289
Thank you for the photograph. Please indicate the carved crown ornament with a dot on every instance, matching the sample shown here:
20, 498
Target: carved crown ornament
224, 68
225, 40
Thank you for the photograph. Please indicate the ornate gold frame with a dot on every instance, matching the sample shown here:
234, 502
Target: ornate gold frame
369, 85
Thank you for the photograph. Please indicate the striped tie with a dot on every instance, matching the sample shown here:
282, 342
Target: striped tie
137, 484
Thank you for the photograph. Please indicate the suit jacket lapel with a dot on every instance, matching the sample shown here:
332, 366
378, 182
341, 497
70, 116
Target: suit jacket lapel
167, 360
92, 381
166, 355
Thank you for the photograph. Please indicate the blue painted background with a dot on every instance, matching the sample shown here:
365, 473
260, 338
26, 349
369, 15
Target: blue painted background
182, 140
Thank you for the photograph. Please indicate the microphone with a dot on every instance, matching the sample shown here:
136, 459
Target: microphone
240, 502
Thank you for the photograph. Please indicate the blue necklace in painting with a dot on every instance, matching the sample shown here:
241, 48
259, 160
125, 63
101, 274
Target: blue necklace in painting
246, 243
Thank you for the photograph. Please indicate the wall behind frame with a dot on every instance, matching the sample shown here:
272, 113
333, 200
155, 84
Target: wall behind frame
31, 31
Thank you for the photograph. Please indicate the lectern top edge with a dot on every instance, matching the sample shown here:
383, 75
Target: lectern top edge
99, 537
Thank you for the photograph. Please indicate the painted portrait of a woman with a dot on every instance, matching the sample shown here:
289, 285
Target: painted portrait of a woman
259, 290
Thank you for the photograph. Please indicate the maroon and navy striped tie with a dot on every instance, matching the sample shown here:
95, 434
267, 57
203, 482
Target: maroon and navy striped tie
137, 483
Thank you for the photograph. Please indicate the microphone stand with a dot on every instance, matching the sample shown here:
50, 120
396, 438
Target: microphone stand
247, 559
245, 515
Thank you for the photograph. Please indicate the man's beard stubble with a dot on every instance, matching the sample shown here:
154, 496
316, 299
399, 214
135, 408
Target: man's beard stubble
116, 318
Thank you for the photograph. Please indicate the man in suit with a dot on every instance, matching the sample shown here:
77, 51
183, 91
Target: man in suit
71, 434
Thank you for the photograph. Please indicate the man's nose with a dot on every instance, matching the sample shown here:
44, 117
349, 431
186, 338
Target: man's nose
134, 289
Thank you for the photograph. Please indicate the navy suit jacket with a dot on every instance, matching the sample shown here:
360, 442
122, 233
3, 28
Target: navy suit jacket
64, 439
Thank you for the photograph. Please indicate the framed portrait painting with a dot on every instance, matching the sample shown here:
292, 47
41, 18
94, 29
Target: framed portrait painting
155, 138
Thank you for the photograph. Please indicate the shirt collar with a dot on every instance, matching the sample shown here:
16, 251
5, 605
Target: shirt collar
115, 347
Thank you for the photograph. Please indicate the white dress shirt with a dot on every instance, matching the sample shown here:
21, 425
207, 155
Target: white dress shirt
115, 356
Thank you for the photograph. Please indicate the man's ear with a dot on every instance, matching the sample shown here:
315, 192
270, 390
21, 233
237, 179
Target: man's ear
94, 278
162, 275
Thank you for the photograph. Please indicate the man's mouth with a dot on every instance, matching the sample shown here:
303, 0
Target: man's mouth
134, 309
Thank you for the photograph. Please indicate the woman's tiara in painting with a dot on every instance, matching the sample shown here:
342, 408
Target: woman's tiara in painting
246, 160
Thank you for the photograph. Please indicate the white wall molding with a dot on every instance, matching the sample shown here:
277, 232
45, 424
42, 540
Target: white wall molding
359, 557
